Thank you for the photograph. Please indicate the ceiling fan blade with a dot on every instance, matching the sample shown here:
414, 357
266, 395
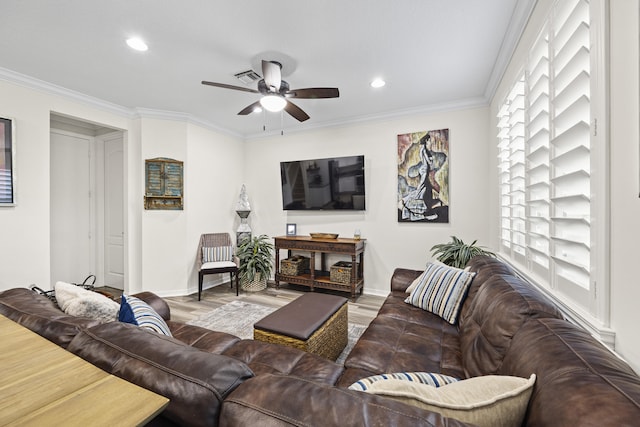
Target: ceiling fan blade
313, 92
225, 86
296, 112
249, 109
272, 75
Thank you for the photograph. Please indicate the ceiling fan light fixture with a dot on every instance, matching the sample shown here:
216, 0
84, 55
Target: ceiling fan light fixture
377, 83
273, 103
137, 44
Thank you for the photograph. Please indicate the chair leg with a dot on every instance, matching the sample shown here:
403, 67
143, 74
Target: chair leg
199, 284
237, 285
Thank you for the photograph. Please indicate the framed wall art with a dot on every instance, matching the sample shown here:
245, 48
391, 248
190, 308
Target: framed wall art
423, 176
163, 184
7, 163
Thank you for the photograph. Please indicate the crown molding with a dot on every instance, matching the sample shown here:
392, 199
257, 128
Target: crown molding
464, 104
149, 113
129, 113
50, 88
517, 24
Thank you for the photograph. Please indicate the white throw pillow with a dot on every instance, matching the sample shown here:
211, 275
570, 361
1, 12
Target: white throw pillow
487, 401
77, 301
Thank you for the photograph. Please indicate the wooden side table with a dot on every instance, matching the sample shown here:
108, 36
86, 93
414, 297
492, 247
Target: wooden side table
320, 278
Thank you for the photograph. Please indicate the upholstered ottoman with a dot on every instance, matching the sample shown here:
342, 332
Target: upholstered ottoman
315, 323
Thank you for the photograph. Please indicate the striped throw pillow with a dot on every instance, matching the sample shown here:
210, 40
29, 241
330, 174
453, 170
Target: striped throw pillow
435, 380
441, 291
217, 253
137, 312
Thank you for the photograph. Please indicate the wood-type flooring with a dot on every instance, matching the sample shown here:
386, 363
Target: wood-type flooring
185, 308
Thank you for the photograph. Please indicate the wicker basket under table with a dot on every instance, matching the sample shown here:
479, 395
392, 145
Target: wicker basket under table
286, 325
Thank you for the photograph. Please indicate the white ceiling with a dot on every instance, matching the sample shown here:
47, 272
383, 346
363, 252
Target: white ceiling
433, 53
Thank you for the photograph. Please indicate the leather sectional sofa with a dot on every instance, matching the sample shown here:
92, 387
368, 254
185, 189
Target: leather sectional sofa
505, 327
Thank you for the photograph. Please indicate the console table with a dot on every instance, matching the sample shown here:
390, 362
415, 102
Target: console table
43, 384
320, 278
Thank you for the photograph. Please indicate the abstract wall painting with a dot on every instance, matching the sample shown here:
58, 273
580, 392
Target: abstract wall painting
423, 176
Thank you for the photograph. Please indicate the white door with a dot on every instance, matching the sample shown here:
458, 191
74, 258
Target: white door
72, 250
114, 212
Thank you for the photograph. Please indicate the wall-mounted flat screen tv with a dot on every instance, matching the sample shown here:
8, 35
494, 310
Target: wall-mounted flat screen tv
335, 183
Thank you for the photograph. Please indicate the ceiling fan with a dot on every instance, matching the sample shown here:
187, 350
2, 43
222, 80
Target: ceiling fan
275, 92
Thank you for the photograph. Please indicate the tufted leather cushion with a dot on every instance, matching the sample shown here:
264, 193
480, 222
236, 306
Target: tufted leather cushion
580, 382
202, 338
39, 314
484, 266
267, 358
261, 357
196, 382
407, 338
274, 400
502, 305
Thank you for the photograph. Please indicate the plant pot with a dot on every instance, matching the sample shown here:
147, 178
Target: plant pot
255, 285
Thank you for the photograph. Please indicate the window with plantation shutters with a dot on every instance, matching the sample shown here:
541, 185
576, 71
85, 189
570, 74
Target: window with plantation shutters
538, 154
512, 171
570, 148
546, 160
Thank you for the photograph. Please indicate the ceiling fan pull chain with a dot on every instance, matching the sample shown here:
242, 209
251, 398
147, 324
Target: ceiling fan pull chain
281, 123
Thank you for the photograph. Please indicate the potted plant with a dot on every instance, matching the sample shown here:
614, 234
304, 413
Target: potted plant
256, 262
457, 253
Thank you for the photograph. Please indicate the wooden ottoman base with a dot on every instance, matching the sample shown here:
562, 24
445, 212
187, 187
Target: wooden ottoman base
328, 341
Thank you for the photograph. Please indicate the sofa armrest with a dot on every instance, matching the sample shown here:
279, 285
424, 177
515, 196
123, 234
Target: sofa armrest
278, 400
402, 278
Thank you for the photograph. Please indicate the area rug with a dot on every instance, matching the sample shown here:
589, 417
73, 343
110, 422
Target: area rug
237, 318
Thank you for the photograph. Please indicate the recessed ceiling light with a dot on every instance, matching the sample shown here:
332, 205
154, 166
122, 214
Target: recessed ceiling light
137, 44
376, 83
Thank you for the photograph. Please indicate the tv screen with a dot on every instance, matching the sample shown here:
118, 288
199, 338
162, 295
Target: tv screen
335, 183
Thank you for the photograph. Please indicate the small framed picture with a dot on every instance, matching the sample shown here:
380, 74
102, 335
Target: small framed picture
291, 230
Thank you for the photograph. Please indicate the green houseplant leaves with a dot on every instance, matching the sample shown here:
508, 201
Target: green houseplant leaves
456, 253
256, 257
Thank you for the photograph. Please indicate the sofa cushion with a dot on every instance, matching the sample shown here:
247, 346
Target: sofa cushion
441, 290
394, 344
285, 401
77, 301
427, 378
137, 312
41, 315
502, 305
484, 267
487, 401
196, 382
202, 338
579, 381
267, 358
